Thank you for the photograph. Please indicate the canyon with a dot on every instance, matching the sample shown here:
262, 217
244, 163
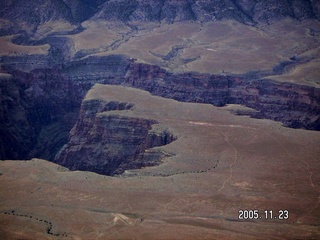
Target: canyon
218, 164
124, 118
49, 99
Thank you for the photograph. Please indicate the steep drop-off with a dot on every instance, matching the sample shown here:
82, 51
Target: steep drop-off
294, 105
213, 163
76, 11
46, 101
38, 110
108, 142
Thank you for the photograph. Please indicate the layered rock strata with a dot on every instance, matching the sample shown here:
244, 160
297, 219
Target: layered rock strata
46, 101
75, 12
107, 140
294, 105
39, 108
37, 111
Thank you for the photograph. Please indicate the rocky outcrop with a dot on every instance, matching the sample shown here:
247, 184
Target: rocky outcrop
187, 87
248, 12
39, 103
294, 105
76, 11
12, 116
108, 141
25, 63
108, 69
60, 51
46, 101
38, 109
35, 12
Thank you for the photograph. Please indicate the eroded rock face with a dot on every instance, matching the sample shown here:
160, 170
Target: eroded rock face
38, 110
74, 12
107, 142
294, 105
46, 101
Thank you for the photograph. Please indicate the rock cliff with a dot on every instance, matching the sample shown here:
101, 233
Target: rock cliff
28, 17
107, 140
46, 101
38, 110
294, 105
45, 91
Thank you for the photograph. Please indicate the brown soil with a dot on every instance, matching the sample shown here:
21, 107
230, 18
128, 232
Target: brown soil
221, 164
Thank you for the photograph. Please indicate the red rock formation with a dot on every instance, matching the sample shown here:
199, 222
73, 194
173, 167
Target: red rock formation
110, 143
47, 99
294, 105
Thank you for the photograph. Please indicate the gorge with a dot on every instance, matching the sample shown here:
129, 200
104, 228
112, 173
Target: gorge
49, 99
159, 119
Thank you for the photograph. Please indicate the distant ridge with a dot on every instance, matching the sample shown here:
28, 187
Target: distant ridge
76, 11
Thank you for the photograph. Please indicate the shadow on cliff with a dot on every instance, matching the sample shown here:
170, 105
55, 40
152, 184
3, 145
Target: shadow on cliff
106, 142
39, 108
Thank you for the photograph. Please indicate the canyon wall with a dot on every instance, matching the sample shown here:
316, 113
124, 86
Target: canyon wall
294, 105
107, 140
39, 108
77, 11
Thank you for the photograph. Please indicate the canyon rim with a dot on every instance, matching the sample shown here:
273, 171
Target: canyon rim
159, 119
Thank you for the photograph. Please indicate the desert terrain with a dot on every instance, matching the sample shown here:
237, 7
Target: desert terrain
220, 164
159, 119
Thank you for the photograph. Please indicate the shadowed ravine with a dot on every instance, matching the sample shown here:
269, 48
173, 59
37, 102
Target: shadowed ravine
159, 119
48, 102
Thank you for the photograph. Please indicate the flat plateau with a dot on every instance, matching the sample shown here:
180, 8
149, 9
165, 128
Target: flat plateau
220, 164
